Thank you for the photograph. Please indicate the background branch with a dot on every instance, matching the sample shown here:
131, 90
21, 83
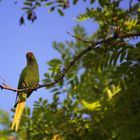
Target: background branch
76, 58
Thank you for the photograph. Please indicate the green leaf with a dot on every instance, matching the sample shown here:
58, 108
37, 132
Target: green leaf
138, 44
103, 2
30, 0
40, 99
38, 4
75, 1
48, 4
60, 12
45, 102
122, 56
26, 8
115, 58
28, 3
91, 106
27, 111
55, 89
51, 9
92, 1
54, 62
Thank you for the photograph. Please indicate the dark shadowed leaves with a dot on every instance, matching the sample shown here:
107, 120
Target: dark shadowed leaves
21, 21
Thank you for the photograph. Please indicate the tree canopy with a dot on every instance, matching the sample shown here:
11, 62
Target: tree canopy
98, 97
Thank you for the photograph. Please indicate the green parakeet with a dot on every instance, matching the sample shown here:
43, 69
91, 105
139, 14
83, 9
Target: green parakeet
29, 77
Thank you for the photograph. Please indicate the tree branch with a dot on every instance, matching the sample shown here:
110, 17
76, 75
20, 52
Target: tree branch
76, 58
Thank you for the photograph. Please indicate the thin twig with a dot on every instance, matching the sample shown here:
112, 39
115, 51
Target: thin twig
76, 58
2, 80
78, 38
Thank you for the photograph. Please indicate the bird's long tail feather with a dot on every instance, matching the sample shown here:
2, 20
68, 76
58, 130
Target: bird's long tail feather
18, 113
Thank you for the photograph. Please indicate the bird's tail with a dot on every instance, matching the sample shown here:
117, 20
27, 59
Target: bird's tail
19, 111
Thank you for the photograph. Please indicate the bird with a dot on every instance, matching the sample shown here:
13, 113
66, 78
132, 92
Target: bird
29, 78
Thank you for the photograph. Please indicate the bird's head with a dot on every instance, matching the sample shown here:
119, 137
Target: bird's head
30, 57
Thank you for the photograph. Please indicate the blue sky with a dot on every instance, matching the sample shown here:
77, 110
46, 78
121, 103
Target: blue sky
16, 41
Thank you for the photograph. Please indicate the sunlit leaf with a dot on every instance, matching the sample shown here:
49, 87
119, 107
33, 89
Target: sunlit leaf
91, 106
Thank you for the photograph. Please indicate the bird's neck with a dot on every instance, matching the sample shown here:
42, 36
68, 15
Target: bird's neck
32, 65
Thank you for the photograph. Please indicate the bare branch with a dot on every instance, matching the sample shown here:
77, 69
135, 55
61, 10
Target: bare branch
76, 58
7, 87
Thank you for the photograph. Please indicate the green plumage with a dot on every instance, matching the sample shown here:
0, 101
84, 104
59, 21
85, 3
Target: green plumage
29, 77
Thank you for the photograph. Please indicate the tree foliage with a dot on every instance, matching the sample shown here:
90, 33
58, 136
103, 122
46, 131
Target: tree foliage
99, 97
